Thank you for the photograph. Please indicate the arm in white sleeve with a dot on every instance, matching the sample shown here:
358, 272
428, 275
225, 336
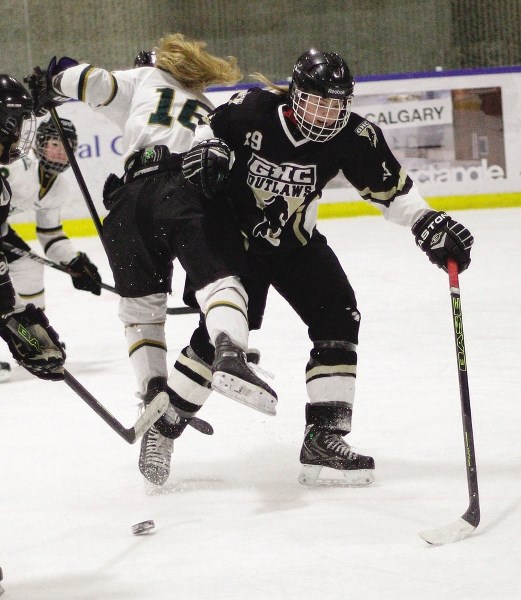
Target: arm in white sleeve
406, 209
202, 132
56, 245
92, 85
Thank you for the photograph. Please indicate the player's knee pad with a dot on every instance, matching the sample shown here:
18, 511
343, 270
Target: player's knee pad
336, 321
227, 290
333, 352
147, 309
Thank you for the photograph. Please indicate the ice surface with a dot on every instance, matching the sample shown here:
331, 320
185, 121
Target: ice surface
232, 523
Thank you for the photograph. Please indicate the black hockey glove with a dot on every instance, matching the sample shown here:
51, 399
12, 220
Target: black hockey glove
111, 185
84, 274
41, 86
7, 298
207, 166
441, 238
34, 343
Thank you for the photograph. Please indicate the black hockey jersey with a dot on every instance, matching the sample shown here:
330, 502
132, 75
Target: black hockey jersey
278, 175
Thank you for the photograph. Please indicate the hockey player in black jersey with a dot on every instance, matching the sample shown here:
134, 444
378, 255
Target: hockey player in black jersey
288, 144
25, 329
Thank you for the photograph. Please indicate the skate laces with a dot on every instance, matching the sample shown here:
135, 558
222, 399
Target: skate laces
171, 415
158, 448
334, 442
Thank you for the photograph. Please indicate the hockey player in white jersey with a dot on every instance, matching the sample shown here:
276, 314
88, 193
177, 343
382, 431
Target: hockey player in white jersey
25, 328
156, 216
37, 187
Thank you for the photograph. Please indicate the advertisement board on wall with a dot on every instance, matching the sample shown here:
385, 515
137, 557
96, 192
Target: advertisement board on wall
456, 133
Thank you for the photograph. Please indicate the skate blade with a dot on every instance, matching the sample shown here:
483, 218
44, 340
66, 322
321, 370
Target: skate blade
152, 413
246, 393
156, 482
318, 476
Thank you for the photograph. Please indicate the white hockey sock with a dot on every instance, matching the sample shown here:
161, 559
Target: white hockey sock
147, 352
225, 306
191, 380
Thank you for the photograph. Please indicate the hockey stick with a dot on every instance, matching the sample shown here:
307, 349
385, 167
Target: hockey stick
150, 415
184, 310
181, 310
468, 522
45, 261
175, 310
76, 169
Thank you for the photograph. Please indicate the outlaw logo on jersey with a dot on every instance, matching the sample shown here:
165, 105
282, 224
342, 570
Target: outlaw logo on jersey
279, 191
286, 179
365, 129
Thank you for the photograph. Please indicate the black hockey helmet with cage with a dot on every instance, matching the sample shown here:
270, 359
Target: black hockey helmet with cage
48, 132
321, 75
145, 58
17, 121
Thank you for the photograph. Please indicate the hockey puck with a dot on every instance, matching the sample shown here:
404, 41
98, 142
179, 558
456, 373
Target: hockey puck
143, 527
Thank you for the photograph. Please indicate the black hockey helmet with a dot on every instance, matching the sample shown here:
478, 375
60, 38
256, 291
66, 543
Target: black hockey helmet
145, 58
46, 135
17, 121
321, 81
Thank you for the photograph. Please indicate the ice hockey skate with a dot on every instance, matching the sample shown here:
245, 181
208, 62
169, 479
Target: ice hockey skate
155, 456
233, 378
157, 444
5, 371
156, 449
328, 460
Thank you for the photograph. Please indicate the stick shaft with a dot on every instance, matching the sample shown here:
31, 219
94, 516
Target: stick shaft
76, 169
49, 263
181, 310
472, 515
128, 435
90, 204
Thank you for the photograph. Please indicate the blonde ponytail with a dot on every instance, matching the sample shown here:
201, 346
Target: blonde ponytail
192, 66
273, 87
